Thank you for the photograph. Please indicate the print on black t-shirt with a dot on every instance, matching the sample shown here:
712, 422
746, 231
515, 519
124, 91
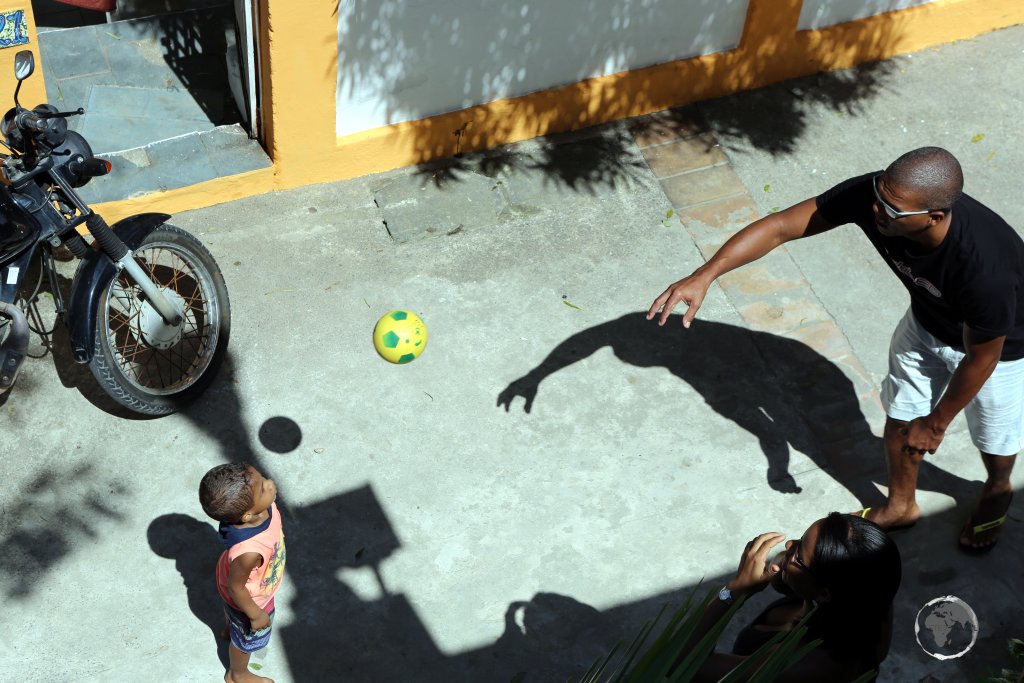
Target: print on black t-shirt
974, 276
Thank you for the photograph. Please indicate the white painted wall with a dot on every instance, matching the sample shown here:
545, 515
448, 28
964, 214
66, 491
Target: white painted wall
821, 13
402, 60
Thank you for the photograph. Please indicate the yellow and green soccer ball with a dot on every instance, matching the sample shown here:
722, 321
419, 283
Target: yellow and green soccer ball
400, 336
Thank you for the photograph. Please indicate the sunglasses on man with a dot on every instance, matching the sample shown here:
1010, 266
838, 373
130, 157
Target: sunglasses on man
891, 211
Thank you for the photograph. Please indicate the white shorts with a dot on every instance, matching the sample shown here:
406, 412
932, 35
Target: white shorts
920, 367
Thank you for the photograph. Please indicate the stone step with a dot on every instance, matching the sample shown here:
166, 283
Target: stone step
144, 79
177, 162
125, 117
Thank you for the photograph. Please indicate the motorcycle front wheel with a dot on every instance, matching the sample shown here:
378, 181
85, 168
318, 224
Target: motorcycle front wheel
140, 360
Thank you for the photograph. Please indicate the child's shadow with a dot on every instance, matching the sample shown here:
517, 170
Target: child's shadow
194, 547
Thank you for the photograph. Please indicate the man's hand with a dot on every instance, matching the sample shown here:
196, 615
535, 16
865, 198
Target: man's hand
690, 290
922, 435
261, 621
754, 572
749, 244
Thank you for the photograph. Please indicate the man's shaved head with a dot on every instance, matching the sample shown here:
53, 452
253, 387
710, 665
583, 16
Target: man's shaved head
932, 173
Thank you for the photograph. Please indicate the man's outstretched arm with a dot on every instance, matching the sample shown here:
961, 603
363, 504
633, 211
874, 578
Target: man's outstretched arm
749, 244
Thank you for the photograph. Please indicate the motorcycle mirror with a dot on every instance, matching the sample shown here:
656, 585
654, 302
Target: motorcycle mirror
24, 64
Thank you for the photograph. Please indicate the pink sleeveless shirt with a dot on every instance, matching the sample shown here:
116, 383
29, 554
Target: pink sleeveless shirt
265, 579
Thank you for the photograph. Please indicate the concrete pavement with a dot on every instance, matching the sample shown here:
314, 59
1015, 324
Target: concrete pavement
554, 468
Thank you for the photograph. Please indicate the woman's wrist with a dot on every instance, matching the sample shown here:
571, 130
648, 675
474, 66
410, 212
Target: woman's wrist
738, 589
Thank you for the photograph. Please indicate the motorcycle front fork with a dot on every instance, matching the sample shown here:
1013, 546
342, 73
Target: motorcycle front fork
171, 315
123, 259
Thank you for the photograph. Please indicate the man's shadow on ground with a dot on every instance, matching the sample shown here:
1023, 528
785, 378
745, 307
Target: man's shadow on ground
780, 390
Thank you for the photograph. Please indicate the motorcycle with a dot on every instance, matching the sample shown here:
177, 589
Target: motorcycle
148, 310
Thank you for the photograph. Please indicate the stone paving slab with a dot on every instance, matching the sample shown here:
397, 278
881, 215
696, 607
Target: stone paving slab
679, 156
728, 213
72, 53
703, 185
413, 207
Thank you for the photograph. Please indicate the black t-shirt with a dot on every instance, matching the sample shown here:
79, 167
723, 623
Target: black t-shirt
975, 277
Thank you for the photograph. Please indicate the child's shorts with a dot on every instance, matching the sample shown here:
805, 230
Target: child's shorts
241, 637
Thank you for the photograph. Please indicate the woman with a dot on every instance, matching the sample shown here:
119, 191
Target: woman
846, 567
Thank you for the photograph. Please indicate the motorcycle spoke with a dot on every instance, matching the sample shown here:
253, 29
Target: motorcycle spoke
144, 365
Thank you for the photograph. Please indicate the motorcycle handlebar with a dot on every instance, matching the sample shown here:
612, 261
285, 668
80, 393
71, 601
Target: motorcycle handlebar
60, 114
30, 121
35, 120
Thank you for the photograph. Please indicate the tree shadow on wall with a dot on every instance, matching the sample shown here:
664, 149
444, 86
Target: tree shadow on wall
391, 52
772, 118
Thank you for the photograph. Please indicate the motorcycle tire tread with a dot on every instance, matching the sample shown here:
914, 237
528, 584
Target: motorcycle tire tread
109, 377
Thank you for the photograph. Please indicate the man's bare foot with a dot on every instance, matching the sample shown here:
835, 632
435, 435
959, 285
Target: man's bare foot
891, 518
983, 527
247, 677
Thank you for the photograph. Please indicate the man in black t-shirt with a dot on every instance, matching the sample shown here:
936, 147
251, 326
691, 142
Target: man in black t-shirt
961, 344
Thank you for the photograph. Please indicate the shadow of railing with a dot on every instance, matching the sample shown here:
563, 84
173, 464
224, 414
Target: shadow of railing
195, 47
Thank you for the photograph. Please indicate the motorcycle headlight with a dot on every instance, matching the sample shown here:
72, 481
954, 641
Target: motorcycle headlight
74, 144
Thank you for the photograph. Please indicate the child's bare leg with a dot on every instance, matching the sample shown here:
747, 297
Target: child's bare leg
239, 671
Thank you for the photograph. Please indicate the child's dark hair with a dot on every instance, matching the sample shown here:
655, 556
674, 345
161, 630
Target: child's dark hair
226, 492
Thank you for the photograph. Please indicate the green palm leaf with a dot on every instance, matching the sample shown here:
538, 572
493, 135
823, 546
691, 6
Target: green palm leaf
781, 652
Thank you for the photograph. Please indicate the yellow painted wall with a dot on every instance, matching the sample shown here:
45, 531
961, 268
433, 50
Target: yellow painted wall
34, 90
299, 42
771, 50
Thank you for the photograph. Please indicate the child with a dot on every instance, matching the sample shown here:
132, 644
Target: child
250, 569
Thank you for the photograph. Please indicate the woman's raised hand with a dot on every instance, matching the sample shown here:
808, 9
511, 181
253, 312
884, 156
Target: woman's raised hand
755, 572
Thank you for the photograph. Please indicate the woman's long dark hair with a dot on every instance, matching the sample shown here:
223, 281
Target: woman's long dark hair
861, 568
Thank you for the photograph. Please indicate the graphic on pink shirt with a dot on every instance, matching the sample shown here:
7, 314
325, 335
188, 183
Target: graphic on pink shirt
265, 579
